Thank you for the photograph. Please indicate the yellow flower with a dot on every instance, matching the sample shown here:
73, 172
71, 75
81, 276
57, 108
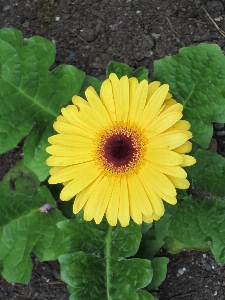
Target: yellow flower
121, 153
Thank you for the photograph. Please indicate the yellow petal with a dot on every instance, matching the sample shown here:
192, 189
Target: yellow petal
170, 108
138, 103
85, 194
97, 105
152, 87
55, 170
147, 219
156, 201
187, 160
61, 150
77, 100
67, 160
114, 81
71, 140
124, 210
180, 183
139, 195
185, 148
167, 141
106, 95
135, 213
84, 118
153, 106
163, 122
76, 171
176, 171
122, 99
80, 181
133, 84
98, 201
60, 118
66, 128
159, 180
181, 125
104, 199
113, 206
164, 157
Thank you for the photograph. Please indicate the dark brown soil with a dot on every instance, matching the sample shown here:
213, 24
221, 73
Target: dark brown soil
88, 34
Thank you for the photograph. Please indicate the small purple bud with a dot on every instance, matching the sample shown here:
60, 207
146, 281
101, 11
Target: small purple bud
45, 208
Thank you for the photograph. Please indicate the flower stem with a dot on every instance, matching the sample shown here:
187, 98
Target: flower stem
108, 258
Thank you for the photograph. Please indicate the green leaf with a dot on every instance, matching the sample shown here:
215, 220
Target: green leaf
90, 81
24, 228
159, 265
21, 180
196, 77
35, 156
196, 221
143, 295
208, 175
121, 69
31, 95
173, 246
140, 74
100, 251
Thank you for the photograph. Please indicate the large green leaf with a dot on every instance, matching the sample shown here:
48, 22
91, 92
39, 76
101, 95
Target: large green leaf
121, 69
31, 95
196, 221
21, 180
24, 228
196, 77
208, 174
100, 250
159, 266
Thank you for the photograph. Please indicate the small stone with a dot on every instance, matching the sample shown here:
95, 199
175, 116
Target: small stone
181, 271
218, 126
57, 19
208, 267
203, 261
217, 19
204, 255
138, 12
216, 287
7, 7
155, 36
72, 55
26, 24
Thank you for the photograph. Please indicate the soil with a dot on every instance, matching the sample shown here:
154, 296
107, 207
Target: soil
88, 34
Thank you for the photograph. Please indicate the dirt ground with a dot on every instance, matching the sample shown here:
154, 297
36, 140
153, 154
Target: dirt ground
88, 34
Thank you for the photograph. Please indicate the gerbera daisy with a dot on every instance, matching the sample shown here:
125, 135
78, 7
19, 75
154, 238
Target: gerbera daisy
121, 153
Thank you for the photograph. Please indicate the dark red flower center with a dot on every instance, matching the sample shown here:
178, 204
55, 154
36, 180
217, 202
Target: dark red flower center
119, 150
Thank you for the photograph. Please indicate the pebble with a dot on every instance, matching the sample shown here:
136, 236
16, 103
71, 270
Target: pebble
208, 267
204, 255
26, 24
203, 261
216, 287
7, 7
217, 19
155, 36
57, 19
220, 133
72, 55
218, 126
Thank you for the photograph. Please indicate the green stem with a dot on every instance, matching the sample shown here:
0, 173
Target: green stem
108, 258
